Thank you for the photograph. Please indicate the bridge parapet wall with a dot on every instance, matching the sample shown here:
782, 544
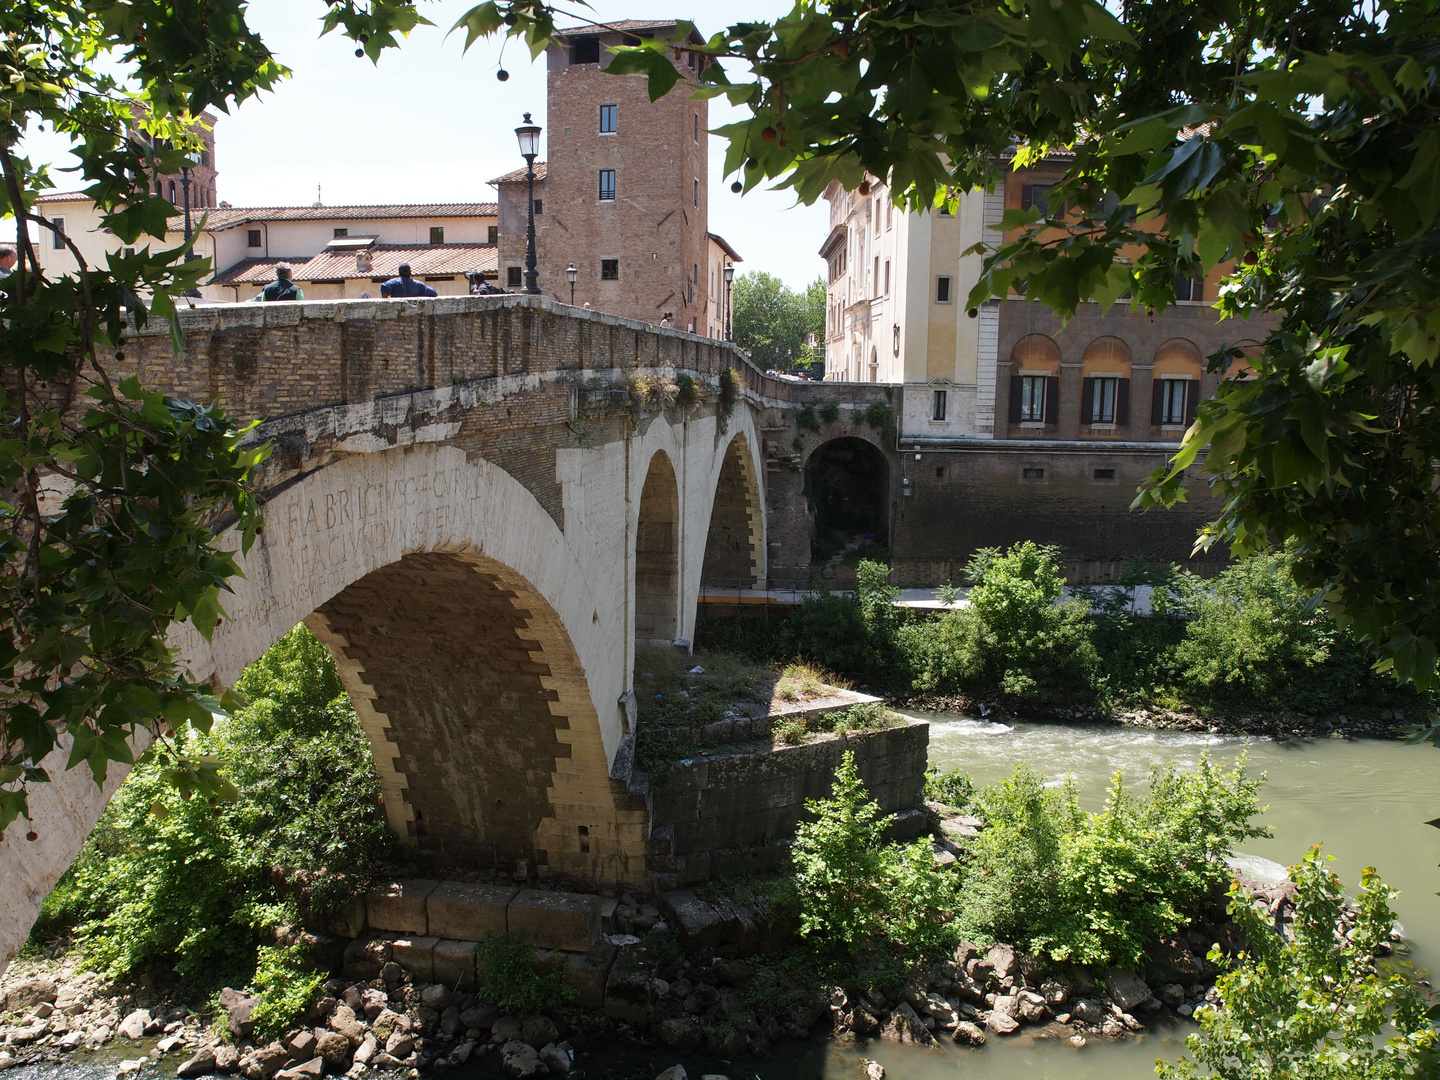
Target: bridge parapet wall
273, 360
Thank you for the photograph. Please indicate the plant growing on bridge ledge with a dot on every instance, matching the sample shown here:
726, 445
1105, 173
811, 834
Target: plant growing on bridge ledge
656, 392
830, 412
729, 395
687, 390
806, 419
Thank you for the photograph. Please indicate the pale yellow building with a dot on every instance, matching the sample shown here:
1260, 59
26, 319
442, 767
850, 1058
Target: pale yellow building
896, 289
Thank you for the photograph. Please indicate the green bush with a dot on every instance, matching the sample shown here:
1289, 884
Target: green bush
951, 788
1255, 638
854, 890
807, 420
186, 888
1318, 1007
1017, 638
510, 977
287, 985
1097, 889
830, 412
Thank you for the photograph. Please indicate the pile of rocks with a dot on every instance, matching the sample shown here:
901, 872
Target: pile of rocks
48, 1009
974, 995
388, 1023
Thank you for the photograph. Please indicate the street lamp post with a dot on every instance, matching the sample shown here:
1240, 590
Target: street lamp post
572, 272
185, 184
528, 134
729, 300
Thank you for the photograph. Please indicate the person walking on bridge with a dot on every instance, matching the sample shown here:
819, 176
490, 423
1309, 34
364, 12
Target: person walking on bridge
282, 288
405, 285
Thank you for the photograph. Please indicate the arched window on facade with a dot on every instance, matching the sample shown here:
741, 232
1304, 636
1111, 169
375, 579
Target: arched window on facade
1176, 392
1241, 367
1105, 383
1035, 381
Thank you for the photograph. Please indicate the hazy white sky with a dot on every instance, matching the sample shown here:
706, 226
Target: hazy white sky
431, 125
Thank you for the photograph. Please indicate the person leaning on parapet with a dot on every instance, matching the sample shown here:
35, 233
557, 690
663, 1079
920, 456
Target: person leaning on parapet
282, 288
405, 285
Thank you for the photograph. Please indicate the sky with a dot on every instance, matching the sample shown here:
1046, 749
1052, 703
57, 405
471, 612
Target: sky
431, 124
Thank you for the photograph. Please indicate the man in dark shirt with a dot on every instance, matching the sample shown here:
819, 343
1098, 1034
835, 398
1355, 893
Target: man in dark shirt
405, 285
282, 288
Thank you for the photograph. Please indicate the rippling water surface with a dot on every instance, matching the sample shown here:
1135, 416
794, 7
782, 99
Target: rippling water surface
1366, 801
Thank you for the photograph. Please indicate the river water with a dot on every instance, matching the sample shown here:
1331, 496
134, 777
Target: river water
1367, 801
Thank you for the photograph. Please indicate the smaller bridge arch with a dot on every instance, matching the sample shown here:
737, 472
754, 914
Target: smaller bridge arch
735, 538
657, 555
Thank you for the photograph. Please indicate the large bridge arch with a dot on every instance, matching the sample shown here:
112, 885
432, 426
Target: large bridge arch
657, 554
428, 541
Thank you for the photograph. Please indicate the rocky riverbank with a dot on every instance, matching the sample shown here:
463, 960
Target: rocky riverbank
1373, 724
696, 1003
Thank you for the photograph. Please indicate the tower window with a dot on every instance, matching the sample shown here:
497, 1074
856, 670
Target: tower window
697, 194
512, 276
609, 119
697, 116
942, 290
607, 184
586, 51
539, 207
609, 269
938, 405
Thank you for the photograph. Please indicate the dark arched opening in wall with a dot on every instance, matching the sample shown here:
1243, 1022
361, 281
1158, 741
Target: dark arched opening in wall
847, 493
657, 556
735, 543
450, 660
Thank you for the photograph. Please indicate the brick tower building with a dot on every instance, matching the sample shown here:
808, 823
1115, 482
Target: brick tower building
202, 174
622, 194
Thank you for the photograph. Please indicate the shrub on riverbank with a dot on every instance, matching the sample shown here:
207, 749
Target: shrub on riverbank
1094, 889
1097, 889
855, 890
187, 889
1017, 638
1316, 1006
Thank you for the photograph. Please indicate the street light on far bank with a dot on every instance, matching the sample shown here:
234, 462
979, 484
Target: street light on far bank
528, 135
729, 300
572, 272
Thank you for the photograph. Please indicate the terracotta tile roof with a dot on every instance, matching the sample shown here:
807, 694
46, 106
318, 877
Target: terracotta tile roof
63, 196
619, 24
385, 259
734, 255
519, 175
229, 217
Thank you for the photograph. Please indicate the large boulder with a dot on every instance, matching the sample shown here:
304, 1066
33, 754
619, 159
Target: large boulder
134, 1025
1127, 990
238, 1007
681, 1032
537, 1030
201, 1064
1002, 960
522, 1060
969, 1034
1002, 1023
26, 995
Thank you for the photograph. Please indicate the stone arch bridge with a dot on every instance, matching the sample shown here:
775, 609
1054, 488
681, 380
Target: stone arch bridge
482, 505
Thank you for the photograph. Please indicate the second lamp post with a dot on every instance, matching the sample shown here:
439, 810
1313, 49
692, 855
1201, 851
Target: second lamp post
528, 134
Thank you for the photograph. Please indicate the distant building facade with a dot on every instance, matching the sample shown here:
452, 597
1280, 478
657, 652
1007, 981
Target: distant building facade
622, 195
1007, 426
